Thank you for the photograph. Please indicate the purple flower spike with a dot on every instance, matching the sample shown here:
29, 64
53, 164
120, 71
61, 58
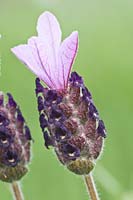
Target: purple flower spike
73, 125
68, 117
46, 56
15, 141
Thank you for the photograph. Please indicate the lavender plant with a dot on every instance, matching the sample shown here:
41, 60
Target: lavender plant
15, 139
68, 117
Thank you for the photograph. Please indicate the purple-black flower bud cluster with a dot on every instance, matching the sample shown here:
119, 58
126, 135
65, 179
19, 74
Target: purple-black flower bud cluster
70, 123
15, 141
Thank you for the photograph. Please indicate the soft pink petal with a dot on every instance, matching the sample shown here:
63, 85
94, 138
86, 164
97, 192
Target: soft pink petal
49, 64
45, 57
26, 55
33, 43
67, 54
48, 29
49, 38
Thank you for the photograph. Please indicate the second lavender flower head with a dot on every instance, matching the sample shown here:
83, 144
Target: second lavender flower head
15, 141
68, 118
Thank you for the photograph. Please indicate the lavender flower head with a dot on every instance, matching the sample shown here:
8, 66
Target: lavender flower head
68, 118
14, 141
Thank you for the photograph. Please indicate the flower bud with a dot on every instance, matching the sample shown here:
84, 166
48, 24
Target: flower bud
70, 123
15, 141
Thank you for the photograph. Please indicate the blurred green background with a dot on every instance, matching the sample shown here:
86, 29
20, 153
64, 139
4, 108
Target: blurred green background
105, 60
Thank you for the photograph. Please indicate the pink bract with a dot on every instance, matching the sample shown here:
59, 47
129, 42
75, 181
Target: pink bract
46, 56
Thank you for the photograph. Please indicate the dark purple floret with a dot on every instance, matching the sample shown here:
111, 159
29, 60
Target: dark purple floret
59, 99
101, 129
51, 121
11, 101
3, 120
62, 133
10, 158
70, 151
75, 78
39, 87
5, 129
48, 140
47, 104
93, 113
27, 133
43, 121
55, 112
5, 139
51, 95
86, 94
40, 104
20, 116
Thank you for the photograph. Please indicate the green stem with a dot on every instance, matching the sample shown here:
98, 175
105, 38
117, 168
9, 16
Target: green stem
17, 191
91, 187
